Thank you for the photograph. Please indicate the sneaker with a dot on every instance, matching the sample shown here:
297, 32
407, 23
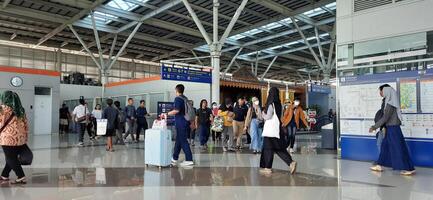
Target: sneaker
291, 150
173, 161
192, 143
376, 168
225, 149
187, 163
80, 144
407, 173
292, 167
265, 171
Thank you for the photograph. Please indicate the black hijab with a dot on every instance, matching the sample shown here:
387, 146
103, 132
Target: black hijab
274, 98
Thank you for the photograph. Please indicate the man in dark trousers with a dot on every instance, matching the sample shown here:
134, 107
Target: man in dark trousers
240, 111
141, 119
181, 124
130, 119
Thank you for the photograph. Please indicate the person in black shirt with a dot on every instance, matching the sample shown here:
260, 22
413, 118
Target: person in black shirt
203, 121
112, 115
64, 119
240, 111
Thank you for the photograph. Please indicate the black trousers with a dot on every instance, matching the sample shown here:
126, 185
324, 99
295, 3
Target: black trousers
216, 135
267, 157
12, 162
141, 125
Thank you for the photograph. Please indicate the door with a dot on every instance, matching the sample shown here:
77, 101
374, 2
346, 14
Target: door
42, 113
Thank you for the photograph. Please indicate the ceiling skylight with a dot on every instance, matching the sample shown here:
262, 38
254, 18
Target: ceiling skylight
118, 4
310, 13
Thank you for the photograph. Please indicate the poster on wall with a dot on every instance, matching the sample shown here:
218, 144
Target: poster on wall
360, 101
426, 95
408, 97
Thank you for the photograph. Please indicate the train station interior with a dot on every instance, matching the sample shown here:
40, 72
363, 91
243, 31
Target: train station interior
216, 99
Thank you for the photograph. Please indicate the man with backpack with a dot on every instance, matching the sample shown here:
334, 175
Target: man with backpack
183, 114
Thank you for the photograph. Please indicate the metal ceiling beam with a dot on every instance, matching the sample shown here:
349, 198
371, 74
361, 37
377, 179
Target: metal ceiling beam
277, 35
232, 61
293, 50
320, 46
151, 14
70, 21
219, 14
85, 47
269, 67
233, 22
197, 22
98, 43
308, 44
5, 3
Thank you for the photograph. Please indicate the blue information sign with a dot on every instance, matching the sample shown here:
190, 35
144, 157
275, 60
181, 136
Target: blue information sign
177, 73
165, 107
320, 89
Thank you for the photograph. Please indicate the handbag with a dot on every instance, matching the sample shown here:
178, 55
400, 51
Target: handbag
25, 157
271, 127
83, 118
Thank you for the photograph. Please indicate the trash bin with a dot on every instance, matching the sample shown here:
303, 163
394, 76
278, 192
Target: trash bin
328, 137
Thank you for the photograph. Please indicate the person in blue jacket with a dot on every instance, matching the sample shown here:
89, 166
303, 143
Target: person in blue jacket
141, 119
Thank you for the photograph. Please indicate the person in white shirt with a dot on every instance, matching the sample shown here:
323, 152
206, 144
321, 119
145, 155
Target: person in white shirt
96, 114
81, 117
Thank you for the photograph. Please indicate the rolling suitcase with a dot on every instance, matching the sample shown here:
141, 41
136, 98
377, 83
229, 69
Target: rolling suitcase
158, 148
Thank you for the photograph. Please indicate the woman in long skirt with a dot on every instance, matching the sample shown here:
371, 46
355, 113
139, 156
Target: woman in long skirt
252, 122
394, 152
272, 144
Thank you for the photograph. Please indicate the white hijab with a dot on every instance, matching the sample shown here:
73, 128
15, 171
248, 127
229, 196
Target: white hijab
392, 99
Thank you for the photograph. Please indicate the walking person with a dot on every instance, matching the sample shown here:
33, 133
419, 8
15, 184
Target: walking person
226, 111
121, 126
181, 124
192, 129
240, 111
203, 121
65, 116
394, 152
130, 119
112, 115
89, 126
141, 120
13, 135
216, 136
96, 114
380, 135
273, 136
293, 116
252, 122
81, 118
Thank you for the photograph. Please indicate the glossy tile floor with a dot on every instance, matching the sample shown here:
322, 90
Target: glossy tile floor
63, 171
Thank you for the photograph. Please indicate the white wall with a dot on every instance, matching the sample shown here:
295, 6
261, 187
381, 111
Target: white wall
69, 91
410, 16
27, 93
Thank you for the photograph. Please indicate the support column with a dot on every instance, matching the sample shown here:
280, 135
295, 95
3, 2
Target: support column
104, 81
326, 76
215, 59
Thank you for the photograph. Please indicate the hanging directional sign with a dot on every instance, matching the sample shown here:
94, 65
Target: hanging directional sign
181, 73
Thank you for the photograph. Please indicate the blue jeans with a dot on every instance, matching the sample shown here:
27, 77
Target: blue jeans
256, 136
182, 144
204, 131
291, 136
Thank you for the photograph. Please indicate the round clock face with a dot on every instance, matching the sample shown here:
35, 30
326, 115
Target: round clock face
17, 81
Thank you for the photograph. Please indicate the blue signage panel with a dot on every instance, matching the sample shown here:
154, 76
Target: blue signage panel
320, 89
176, 73
377, 78
164, 108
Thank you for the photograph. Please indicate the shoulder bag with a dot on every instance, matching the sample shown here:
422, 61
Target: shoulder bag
271, 128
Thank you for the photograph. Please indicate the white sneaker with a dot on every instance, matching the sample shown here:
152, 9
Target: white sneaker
292, 150
80, 144
187, 163
224, 149
173, 161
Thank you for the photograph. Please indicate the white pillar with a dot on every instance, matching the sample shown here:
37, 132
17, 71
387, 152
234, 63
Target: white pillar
215, 59
104, 81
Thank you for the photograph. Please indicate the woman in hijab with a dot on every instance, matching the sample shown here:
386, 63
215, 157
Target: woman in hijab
394, 152
13, 135
274, 144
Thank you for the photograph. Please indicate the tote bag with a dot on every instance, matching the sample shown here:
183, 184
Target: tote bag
101, 125
272, 126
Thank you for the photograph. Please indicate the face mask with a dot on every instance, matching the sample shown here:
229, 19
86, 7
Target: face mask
297, 103
256, 103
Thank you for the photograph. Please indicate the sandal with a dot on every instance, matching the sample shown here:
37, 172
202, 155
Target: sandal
20, 181
2, 178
